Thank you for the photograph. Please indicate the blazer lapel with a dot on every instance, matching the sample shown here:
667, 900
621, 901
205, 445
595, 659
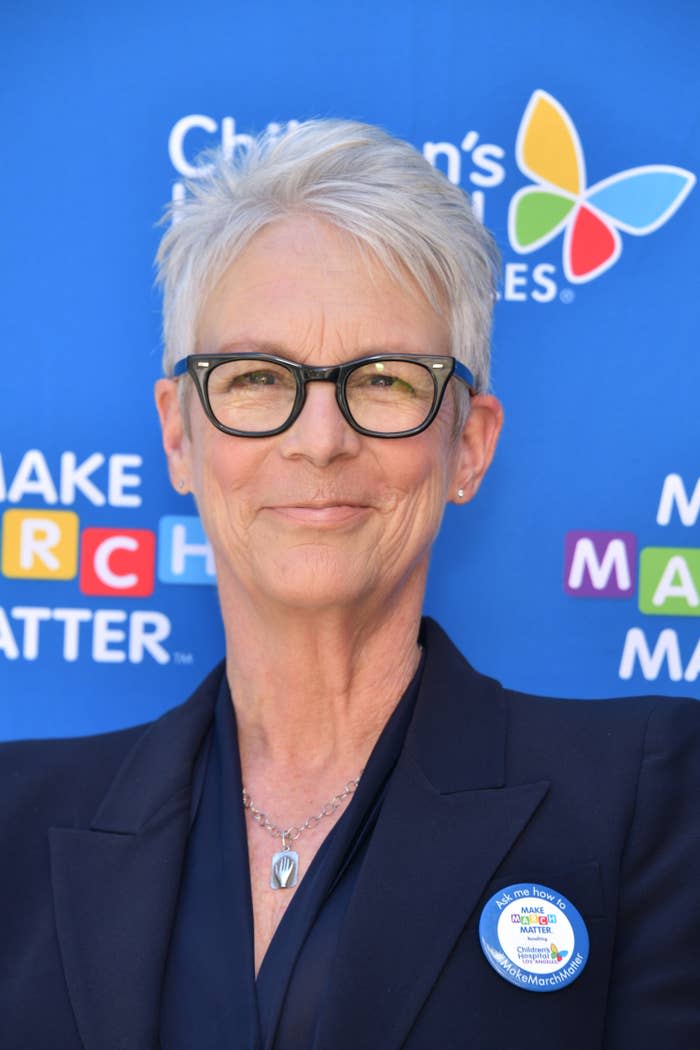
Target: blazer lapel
446, 824
116, 884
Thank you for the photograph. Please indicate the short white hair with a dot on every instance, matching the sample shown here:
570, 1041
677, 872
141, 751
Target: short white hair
360, 179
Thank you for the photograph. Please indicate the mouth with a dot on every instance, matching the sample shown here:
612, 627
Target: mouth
320, 513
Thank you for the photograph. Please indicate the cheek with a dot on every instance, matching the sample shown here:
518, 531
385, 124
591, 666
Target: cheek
441, 451
225, 470
422, 480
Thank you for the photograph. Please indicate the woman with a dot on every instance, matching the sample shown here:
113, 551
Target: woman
347, 837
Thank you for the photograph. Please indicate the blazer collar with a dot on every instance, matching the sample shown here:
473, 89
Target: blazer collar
447, 822
458, 733
160, 763
116, 884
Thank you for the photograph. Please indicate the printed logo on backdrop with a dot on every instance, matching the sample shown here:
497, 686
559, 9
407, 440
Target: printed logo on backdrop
590, 219
48, 536
636, 201
665, 580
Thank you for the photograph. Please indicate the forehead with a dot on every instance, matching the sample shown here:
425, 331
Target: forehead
306, 287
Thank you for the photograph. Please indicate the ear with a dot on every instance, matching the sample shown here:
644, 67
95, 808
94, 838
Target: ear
176, 441
476, 445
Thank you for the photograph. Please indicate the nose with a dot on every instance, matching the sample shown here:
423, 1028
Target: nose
320, 433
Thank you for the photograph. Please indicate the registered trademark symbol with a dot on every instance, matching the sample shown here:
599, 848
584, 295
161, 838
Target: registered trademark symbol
567, 295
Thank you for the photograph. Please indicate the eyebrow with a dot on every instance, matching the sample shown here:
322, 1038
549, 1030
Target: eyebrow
246, 346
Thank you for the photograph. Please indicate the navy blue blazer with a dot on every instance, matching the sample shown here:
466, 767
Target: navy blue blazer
598, 800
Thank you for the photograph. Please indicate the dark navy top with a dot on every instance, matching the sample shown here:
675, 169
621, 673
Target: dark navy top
211, 999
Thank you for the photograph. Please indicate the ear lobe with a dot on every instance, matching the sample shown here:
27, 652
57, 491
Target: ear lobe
477, 444
173, 432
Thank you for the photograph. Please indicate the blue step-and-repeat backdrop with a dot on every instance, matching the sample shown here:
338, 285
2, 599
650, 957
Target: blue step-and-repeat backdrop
576, 130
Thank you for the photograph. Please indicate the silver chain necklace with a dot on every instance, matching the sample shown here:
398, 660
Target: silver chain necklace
284, 873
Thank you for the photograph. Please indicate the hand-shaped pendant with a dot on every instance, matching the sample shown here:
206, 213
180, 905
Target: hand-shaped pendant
285, 869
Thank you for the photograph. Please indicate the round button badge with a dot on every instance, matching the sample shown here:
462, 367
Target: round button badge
534, 937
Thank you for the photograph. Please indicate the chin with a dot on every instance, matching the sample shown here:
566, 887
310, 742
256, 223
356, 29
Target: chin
318, 580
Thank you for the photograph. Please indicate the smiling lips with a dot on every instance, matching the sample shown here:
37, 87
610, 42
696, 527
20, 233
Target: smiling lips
326, 513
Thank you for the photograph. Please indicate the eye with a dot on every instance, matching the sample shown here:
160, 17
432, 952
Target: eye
241, 378
259, 377
382, 381
378, 380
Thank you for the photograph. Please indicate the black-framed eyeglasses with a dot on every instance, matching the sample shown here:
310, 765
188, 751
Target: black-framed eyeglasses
383, 395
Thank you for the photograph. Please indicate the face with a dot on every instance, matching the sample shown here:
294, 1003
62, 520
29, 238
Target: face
319, 515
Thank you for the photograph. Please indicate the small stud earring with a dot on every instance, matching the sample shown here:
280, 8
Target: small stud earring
460, 493
181, 485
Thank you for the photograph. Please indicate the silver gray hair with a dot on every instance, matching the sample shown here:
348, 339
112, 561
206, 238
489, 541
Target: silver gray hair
360, 179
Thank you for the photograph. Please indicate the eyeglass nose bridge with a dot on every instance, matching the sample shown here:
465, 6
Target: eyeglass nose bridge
321, 374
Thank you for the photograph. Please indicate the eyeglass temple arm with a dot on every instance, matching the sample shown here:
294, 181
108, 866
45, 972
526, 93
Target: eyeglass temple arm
462, 372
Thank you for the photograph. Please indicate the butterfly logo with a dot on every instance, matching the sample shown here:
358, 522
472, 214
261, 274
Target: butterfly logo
557, 955
636, 201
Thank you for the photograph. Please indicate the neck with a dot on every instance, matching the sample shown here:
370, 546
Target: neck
313, 690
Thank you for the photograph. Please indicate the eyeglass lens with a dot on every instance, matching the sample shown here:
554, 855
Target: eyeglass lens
254, 396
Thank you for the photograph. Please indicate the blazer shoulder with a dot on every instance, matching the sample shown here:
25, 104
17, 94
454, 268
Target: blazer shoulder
621, 737
66, 778
621, 730
62, 777
455, 669
659, 709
